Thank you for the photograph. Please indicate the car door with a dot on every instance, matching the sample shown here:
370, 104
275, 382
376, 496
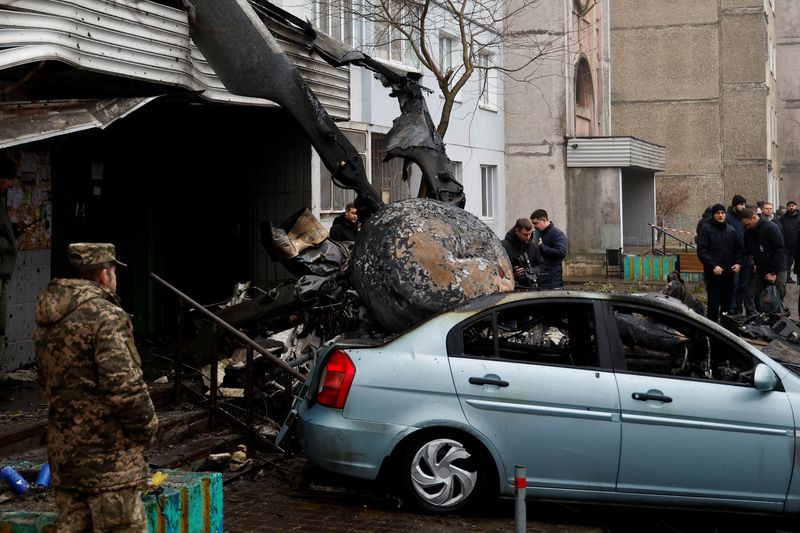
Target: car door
692, 423
531, 378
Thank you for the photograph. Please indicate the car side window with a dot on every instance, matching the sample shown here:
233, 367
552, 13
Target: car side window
561, 334
654, 343
478, 337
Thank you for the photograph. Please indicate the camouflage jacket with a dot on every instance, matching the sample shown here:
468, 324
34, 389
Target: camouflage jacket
101, 417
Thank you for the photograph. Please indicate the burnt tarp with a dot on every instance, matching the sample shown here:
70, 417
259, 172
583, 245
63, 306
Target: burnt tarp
25, 122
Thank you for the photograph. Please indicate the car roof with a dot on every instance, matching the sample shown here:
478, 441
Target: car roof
492, 300
488, 301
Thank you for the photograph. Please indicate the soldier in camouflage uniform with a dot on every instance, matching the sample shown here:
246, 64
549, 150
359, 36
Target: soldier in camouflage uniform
101, 419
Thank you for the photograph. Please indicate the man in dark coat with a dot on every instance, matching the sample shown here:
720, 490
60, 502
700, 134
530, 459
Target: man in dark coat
705, 217
345, 226
524, 255
741, 278
764, 243
790, 226
720, 251
553, 247
101, 418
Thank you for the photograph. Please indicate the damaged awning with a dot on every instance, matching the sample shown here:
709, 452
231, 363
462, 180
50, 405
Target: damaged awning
145, 42
25, 122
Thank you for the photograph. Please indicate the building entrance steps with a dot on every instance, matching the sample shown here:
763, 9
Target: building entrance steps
188, 501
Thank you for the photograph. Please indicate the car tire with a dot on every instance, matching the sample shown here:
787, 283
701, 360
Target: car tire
446, 472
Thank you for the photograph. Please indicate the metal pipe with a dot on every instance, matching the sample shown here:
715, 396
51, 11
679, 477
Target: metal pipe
520, 514
302, 359
230, 329
288, 397
652, 239
248, 394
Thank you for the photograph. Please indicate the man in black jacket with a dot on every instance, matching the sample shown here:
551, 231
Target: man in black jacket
790, 226
742, 278
524, 255
345, 226
553, 247
720, 251
764, 243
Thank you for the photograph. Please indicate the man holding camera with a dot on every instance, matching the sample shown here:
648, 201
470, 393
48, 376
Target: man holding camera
524, 255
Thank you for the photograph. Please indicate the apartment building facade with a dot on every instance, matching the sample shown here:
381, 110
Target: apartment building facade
475, 138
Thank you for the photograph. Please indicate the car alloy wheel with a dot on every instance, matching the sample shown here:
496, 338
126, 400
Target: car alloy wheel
444, 474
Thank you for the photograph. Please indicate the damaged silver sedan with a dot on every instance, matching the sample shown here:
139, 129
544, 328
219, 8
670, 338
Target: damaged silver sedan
613, 398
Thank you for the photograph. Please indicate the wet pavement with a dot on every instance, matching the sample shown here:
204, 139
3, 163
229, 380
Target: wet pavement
790, 301
271, 501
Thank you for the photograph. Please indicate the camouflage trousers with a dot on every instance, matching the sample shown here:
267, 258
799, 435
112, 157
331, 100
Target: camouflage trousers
119, 511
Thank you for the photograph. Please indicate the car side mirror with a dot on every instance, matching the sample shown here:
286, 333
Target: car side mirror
764, 378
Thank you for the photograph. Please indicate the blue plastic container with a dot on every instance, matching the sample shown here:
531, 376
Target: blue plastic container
43, 479
16, 481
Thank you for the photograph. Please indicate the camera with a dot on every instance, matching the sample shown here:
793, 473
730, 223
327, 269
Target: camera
530, 279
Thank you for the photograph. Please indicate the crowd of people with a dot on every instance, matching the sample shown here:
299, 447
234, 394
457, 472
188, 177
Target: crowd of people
747, 252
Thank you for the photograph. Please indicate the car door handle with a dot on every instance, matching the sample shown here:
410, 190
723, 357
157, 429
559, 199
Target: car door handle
643, 397
488, 381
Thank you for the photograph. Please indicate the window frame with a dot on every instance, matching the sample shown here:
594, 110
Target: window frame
341, 20
453, 49
488, 207
455, 340
617, 350
487, 81
457, 168
397, 49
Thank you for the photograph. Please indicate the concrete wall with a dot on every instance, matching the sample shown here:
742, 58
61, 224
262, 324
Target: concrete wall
693, 75
787, 16
540, 112
747, 100
594, 200
31, 276
535, 128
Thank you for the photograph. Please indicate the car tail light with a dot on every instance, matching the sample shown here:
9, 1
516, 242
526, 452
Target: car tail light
337, 376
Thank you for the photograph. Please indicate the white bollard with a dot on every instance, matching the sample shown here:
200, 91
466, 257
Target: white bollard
520, 484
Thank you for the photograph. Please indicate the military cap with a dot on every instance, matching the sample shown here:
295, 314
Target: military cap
92, 253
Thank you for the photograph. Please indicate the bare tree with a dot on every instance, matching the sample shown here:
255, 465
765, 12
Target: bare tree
670, 199
478, 31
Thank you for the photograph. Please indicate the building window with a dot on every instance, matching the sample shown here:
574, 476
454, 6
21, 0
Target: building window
488, 188
458, 171
341, 20
445, 53
584, 99
487, 80
387, 177
581, 6
334, 198
390, 44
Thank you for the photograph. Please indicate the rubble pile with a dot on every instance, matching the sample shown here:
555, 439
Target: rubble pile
411, 260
